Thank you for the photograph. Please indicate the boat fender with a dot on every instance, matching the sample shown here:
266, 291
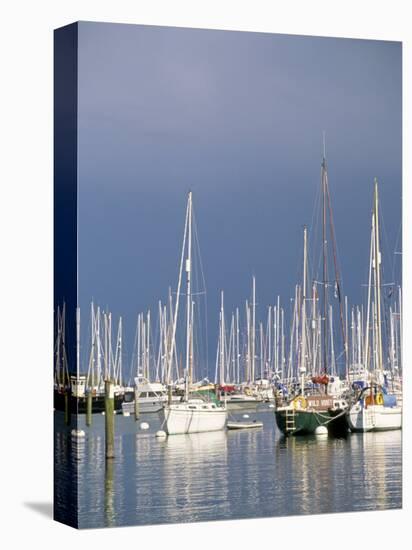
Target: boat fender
379, 399
299, 402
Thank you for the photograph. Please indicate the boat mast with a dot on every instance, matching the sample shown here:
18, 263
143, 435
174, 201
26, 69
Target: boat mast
237, 347
248, 352
261, 348
148, 345
325, 265
188, 291
253, 328
303, 325
66, 378
368, 310
99, 351
57, 367
222, 341
269, 342
233, 348
378, 283
400, 356
282, 346
91, 369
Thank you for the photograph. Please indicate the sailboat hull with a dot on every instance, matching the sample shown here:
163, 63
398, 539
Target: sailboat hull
186, 419
305, 422
374, 418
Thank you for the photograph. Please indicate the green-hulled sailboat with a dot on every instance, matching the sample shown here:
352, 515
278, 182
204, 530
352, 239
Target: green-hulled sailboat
323, 410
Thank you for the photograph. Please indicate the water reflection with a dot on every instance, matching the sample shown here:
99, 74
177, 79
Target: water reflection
109, 509
224, 475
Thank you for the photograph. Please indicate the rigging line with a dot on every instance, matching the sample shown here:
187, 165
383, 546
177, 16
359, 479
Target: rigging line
314, 229
197, 241
386, 298
337, 275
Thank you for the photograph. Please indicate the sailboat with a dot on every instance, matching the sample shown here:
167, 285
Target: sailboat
375, 408
190, 415
319, 404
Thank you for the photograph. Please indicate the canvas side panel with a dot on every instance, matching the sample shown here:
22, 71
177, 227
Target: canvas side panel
65, 269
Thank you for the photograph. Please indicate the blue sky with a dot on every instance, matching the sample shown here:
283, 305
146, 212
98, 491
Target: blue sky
237, 118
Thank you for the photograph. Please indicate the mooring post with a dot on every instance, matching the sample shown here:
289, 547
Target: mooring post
169, 395
136, 404
109, 417
89, 404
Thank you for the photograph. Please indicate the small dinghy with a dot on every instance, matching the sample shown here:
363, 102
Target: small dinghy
243, 425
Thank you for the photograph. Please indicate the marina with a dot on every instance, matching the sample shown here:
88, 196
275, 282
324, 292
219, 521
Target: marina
313, 391
228, 293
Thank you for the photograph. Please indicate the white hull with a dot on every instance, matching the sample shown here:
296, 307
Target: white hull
187, 418
374, 418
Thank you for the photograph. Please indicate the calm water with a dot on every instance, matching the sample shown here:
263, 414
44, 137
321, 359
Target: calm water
220, 475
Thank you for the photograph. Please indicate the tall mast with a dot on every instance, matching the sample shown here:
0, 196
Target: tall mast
378, 282
368, 310
277, 333
303, 326
110, 351
148, 346
261, 348
222, 341
64, 358
237, 348
188, 285
191, 377
58, 368
248, 352
91, 369
282, 345
269, 340
106, 349
325, 266
314, 331
253, 327
118, 355
139, 337
99, 351
400, 358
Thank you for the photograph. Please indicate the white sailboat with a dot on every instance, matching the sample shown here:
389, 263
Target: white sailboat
190, 415
375, 409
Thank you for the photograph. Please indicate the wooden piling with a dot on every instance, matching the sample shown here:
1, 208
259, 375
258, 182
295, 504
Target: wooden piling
136, 404
109, 417
89, 406
169, 395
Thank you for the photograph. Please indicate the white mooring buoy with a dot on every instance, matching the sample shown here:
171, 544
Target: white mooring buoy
144, 426
245, 416
126, 413
321, 430
161, 433
78, 433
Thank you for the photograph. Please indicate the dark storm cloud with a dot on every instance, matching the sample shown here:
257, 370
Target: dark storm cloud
238, 118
